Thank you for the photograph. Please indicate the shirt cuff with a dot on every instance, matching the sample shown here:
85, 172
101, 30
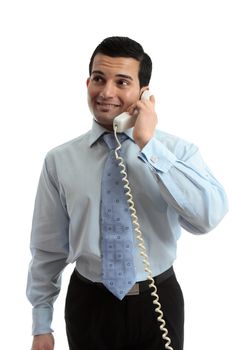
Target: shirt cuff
157, 156
42, 319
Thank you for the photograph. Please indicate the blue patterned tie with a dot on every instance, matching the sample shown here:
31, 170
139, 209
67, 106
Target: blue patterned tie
118, 271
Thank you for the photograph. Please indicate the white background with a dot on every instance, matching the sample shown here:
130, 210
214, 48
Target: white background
45, 51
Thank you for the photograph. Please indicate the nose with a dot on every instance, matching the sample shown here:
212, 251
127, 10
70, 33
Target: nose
108, 90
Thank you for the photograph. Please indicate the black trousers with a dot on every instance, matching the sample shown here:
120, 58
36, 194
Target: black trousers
97, 320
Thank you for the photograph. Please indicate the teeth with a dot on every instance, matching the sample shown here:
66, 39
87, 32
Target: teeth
107, 104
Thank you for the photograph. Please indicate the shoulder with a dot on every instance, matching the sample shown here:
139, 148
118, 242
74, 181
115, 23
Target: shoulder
68, 148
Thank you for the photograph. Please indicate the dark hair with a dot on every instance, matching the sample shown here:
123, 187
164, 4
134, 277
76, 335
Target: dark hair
120, 46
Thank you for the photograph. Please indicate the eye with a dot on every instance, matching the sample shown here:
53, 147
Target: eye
123, 82
97, 79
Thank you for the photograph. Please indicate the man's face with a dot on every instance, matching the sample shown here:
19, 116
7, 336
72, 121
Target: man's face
112, 87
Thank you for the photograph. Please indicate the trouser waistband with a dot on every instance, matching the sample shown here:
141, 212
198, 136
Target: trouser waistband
139, 287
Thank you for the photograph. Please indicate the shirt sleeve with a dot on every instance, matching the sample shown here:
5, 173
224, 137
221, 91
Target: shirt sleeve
186, 184
49, 249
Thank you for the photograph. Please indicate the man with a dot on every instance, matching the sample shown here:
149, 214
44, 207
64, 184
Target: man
172, 188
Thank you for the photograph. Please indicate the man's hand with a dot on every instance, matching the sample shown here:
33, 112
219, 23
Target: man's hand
146, 121
43, 342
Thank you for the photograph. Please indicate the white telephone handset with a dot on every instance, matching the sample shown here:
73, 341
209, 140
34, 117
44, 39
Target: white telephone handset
121, 123
124, 120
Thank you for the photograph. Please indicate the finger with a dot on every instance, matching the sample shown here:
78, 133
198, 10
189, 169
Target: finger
152, 99
131, 109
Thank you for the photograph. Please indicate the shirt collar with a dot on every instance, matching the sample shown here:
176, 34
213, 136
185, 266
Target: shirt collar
97, 131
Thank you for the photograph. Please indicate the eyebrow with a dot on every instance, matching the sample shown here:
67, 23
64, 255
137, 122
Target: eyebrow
125, 76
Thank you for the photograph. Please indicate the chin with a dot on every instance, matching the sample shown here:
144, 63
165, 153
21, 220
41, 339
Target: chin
107, 120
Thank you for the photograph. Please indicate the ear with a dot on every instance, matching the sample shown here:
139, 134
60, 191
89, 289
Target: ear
144, 88
88, 81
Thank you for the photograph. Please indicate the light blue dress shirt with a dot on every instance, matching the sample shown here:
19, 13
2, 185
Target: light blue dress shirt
172, 188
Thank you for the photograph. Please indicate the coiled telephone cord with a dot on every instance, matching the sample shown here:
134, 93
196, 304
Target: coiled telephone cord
141, 245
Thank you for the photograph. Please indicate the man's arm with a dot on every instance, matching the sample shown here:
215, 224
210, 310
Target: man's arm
49, 247
185, 182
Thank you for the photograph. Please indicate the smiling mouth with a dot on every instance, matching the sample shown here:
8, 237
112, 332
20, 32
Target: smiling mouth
107, 105
111, 108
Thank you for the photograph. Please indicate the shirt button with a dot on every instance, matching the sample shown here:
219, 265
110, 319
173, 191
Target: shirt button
154, 159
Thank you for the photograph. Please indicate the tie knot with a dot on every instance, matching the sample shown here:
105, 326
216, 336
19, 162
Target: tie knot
110, 140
